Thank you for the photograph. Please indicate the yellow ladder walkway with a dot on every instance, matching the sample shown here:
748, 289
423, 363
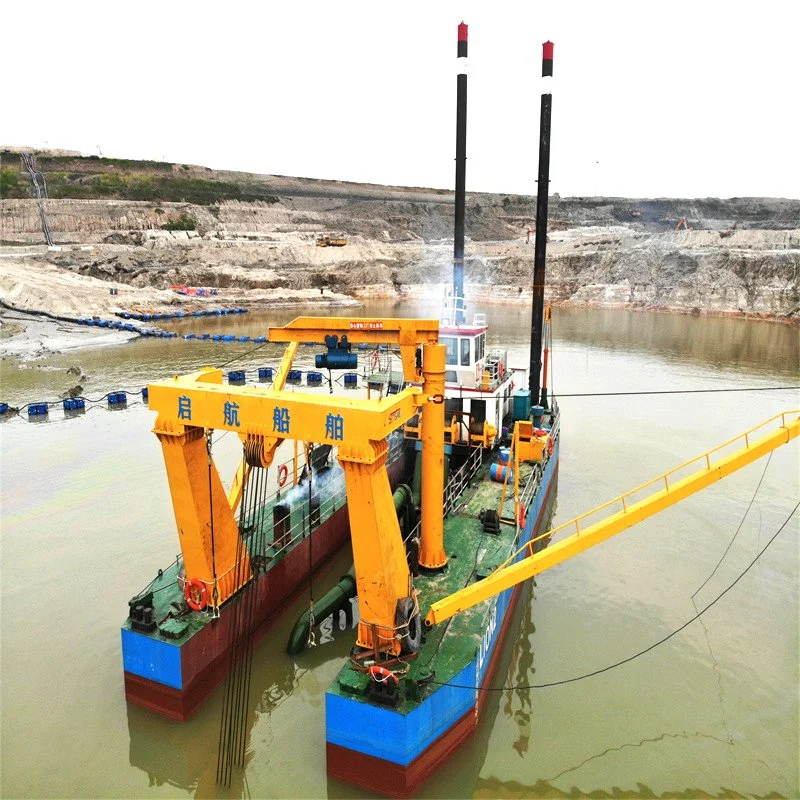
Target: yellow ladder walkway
662, 492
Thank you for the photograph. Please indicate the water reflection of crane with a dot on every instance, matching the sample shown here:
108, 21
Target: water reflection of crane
169, 756
522, 668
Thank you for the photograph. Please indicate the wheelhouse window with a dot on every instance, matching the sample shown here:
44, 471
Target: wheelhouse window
480, 343
465, 352
451, 343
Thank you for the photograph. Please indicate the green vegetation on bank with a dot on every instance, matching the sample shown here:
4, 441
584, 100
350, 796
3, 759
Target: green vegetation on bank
183, 223
9, 182
92, 178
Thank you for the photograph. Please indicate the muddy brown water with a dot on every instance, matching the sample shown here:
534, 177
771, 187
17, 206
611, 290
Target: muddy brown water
86, 519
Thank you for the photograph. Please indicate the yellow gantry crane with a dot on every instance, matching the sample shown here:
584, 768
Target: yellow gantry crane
624, 511
189, 406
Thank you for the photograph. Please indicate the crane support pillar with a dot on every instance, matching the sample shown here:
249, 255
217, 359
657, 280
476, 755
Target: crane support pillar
195, 486
378, 553
750, 448
431, 552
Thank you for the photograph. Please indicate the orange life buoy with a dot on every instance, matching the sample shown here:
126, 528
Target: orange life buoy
283, 474
381, 674
501, 370
197, 599
521, 516
551, 445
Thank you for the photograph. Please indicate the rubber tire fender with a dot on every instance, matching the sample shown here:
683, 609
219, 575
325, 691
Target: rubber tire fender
410, 626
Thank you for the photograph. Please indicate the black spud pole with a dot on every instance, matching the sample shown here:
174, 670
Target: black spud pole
540, 245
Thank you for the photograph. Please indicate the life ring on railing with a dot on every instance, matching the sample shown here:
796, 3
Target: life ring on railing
196, 594
501, 370
382, 675
521, 516
551, 445
283, 474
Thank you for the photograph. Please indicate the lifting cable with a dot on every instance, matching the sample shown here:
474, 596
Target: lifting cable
312, 638
241, 610
636, 655
214, 593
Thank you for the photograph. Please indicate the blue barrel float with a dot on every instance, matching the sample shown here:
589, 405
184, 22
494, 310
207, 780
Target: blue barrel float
236, 376
314, 378
74, 404
37, 409
351, 380
497, 472
265, 373
504, 453
117, 398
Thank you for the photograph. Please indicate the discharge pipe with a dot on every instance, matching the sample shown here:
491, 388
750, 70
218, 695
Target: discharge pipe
338, 598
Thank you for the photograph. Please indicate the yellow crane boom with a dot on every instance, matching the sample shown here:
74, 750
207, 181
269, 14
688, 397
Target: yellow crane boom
664, 491
190, 406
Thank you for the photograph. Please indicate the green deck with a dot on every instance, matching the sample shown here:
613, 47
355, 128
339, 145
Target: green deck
472, 554
260, 539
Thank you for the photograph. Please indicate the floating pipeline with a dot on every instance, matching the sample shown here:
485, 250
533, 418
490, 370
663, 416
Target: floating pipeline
120, 398
115, 324
152, 317
72, 406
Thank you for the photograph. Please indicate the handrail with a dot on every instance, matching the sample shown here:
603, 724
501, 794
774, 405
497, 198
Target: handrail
662, 497
459, 479
623, 498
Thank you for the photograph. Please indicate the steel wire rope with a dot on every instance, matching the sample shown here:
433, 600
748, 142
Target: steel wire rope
686, 391
160, 573
242, 355
224, 749
635, 655
744, 517
249, 594
214, 593
18, 409
311, 642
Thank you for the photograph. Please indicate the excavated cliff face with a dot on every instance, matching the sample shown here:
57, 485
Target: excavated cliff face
605, 252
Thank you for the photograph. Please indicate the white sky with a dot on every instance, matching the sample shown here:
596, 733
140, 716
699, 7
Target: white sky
685, 99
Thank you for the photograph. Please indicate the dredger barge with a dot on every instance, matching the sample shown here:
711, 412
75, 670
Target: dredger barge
466, 446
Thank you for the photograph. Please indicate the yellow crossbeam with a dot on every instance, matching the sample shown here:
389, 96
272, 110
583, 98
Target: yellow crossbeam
408, 333
200, 401
672, 492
